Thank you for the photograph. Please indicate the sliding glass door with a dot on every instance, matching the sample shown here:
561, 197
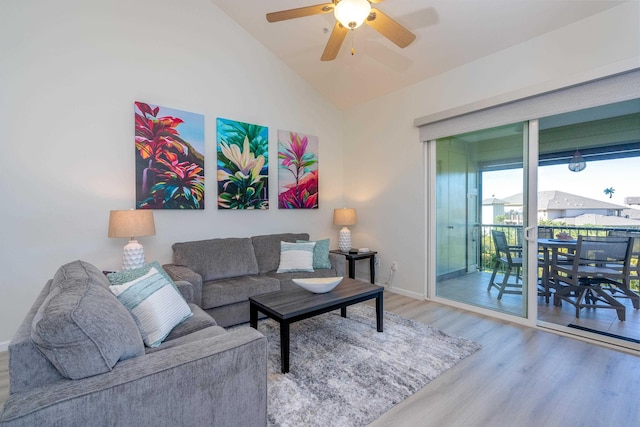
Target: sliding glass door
502, 194
580, 146
479, 209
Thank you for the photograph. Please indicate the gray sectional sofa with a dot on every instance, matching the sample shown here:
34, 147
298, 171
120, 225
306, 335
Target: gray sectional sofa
200, 375
225, 272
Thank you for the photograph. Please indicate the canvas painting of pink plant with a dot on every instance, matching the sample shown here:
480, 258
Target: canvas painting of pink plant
297, 170
169, 158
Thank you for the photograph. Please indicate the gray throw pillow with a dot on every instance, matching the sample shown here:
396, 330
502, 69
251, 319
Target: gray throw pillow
81, 327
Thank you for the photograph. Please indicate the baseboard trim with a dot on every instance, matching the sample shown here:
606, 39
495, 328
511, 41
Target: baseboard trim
4, 346
404, 292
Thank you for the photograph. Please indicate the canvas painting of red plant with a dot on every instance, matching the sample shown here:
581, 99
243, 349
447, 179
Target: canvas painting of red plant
297, 170
169, 158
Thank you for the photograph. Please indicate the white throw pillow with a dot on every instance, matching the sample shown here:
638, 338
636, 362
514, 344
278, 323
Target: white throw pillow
296, 257
154, 303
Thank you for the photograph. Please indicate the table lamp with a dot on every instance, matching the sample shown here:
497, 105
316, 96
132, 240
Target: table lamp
344, 217
132, 224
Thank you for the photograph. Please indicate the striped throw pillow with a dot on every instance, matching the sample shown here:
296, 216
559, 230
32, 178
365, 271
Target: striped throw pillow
154, 303
296, 257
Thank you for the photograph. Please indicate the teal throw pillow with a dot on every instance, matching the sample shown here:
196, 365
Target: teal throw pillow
320, 254
124, 276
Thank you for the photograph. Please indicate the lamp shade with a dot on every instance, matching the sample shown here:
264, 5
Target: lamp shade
131, 223
352, 13
345, 216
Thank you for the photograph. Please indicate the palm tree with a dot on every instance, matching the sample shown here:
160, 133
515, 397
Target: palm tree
609, 191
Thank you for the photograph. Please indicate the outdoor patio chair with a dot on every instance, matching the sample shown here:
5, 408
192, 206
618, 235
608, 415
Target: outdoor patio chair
624, 290
597, 262
509, 257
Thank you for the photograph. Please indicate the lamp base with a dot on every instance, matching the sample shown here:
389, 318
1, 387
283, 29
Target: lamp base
132, 255
344, 240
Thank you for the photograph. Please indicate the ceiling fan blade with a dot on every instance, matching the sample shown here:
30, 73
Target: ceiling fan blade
390, 28
375, 1
283, 15
335, 42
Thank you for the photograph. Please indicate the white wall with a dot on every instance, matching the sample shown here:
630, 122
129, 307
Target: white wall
386, 181
70, 71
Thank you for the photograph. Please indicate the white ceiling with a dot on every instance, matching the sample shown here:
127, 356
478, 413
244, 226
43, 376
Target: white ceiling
449, 33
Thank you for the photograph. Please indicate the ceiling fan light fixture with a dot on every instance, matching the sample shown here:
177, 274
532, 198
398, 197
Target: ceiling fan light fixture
352, 13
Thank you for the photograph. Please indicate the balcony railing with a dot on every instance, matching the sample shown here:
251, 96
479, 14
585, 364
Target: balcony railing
514, 237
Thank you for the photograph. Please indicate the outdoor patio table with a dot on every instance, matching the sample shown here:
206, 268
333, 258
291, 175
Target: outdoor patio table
550, 248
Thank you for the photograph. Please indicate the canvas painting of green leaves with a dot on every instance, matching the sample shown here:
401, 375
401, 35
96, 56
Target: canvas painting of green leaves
243, 165
169, 158
297, 170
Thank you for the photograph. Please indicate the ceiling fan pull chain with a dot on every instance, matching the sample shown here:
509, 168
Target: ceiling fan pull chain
353, 51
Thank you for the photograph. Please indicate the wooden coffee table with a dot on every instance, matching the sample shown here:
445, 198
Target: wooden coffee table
286, 307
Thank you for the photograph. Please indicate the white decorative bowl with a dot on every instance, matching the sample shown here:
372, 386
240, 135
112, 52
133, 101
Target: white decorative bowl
318, 285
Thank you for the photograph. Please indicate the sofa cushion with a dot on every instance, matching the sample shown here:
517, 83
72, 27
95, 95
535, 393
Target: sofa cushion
217, 258
267, 249
81, 328
296, 257
79, 269
236, 289
154, 303
320, 254
28, 367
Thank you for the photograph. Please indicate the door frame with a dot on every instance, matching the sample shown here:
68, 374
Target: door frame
530, 163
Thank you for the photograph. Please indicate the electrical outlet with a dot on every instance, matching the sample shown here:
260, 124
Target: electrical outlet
394, 265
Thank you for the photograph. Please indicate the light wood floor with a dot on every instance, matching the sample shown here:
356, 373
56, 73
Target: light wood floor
521, 377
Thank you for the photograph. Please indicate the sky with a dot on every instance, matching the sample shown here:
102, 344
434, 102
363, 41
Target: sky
621, 174
191, 130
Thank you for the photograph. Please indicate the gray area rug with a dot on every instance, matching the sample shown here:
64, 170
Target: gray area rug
345, 373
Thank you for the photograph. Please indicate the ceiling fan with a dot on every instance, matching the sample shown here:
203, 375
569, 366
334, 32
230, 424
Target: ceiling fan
350, 14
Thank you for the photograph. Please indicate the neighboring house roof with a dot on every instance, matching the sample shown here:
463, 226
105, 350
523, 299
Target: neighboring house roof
560, 201
493, 201
604, 220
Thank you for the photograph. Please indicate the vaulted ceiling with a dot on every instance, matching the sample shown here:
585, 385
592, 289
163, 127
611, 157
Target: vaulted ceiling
450, 33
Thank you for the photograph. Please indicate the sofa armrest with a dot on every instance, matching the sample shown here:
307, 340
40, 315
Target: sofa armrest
180, 272
186, 289
217, 381
338, 263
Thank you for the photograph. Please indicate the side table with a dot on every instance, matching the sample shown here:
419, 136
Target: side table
353, 257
